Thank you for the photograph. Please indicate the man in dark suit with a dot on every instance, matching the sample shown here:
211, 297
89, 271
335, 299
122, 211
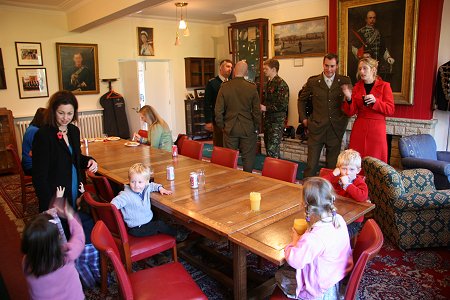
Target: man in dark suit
238, 114
327, 123
211, 91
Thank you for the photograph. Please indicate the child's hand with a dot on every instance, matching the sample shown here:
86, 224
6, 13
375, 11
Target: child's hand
345, 180
163, 191
336, 172
81, 189
295, 236
60, 191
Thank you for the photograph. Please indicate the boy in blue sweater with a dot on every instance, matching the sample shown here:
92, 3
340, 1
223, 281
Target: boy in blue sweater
134, 202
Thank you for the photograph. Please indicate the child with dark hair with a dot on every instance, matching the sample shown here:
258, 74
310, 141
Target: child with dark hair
35, 124
48, 264
321, 257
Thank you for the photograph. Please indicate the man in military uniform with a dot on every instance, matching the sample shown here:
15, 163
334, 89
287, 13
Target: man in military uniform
238, 114
276, 101
327, 123
80, 77
369, 41
212, 88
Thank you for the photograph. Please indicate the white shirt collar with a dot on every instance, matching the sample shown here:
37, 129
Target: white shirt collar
326, 78
222, 78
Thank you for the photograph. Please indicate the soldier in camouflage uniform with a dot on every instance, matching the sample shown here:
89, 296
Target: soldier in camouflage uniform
276, 101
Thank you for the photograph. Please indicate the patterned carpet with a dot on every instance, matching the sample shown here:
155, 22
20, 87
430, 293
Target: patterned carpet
393, 274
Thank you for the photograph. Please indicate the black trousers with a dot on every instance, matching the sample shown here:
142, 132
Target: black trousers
151, 228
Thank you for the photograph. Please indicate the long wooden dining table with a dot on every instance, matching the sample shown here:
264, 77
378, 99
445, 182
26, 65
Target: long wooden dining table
221, 207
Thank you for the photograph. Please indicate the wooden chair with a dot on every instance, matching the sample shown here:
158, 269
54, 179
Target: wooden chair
280, 169
132, 248
192, 149
369, 242
169, 281
26, 183
225, 157
102, 187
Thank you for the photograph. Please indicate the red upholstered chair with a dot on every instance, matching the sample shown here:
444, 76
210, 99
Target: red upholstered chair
369, 242
192, 149
143, 133
169, 281
225, 157
132, 248
26, 183
180, 140
280, 169
102, 187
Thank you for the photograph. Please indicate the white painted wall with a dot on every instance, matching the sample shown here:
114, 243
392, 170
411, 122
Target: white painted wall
116, 41
295, 77
442, 128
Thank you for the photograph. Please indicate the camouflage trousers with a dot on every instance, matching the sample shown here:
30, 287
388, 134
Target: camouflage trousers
273, 133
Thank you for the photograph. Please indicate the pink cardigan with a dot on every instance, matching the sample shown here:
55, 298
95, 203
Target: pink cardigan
322, 258
63, 283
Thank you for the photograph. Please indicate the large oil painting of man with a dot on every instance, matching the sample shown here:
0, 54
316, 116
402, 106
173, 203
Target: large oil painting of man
78, 68
384, 30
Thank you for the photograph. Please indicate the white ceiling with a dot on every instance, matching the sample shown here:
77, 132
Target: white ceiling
198, 10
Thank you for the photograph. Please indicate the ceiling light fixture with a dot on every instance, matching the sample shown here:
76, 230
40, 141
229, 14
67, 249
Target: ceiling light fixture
182, 24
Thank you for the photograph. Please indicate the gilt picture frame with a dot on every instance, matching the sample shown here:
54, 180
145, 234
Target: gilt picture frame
385, 30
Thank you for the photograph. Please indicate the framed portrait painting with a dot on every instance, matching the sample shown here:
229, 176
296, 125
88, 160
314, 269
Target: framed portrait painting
385, 30
145, 41
32, 82
2, 73
78, 68
29, 54
300, 38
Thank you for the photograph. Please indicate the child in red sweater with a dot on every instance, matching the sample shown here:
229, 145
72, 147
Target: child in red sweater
346, 183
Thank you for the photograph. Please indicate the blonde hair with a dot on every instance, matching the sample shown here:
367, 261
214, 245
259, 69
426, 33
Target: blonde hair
349, 157
152, 115
139, 169
319, 196
372, 63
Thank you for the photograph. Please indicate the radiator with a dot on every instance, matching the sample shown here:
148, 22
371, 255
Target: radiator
91, 126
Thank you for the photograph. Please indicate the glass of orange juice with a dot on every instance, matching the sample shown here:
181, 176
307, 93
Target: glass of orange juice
300, 225
255, 201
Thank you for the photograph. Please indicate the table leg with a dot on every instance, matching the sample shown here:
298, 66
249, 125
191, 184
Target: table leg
239, 272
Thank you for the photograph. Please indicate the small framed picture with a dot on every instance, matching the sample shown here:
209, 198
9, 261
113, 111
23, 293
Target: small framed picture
32, 83
29, 54
78, 68
145, 41
199, 93
190, 96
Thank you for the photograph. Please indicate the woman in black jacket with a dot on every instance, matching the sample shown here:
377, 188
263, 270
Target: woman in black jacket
57, 158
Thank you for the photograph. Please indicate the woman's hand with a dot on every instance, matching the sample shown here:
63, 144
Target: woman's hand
370, 99
92, 166
347, 90
60, 191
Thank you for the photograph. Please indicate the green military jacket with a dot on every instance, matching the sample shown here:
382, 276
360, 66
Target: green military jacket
326, 105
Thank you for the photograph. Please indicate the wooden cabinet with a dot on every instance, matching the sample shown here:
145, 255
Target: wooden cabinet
195, 119
249, 42
7, 136
199, 70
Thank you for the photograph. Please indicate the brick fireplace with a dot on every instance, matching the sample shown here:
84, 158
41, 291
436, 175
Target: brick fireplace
293, 149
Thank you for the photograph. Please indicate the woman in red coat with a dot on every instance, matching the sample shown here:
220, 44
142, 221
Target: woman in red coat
372, 100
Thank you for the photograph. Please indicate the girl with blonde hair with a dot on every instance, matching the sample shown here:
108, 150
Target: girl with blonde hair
159, 133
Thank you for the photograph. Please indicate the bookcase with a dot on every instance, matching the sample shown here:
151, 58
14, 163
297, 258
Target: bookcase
195, 119
198, 70
7, 136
